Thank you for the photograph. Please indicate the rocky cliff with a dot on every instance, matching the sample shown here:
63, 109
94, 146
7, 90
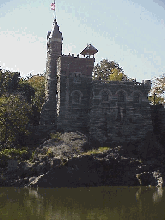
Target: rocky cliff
70, 161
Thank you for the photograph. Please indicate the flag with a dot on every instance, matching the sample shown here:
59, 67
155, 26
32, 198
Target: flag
53, 6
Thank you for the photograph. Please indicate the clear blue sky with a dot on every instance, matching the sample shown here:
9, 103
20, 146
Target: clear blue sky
131, 32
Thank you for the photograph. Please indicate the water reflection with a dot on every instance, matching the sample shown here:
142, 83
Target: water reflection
157, 195
156, 192
82, 203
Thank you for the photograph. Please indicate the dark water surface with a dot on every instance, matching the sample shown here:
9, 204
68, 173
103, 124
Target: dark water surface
128, 203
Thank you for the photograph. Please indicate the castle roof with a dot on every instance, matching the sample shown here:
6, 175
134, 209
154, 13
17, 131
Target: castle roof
89, 50
55, 33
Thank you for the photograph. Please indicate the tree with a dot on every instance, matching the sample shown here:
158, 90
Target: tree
12, 83
21, 100
8, 81
116, 75
26, 90
33, 88
157, 92
106, 68
14, 118
37, 82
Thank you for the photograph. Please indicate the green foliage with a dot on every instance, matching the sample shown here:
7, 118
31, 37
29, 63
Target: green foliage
157, 92
14, 113
8, 82
105, 68
103, 149
26, 90
38, 83
21, 100
14, 109
155, 99
116, 75
56, 136
34, 89
100, 150
33, 153
49, 153
9, 154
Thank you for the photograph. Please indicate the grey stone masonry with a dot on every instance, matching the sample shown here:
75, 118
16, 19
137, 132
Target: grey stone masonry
54, 50
108, 111
120, 111
74, 92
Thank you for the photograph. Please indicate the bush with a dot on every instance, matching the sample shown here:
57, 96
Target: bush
56, 136
14, 118
3, 160
20, 154
49, 153
150, 148
97, 151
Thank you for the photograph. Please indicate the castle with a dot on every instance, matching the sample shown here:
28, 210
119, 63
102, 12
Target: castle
108, 111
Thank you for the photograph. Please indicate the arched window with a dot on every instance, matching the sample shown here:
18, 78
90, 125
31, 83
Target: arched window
136, 97
121, 96
76, 97
104, 96
77, 77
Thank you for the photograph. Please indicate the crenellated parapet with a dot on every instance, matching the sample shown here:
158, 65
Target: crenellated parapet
130, 91
120, 111
110, 111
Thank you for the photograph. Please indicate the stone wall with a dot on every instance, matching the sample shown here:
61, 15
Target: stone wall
158, 119
74, 85
120, 111
108, 111
54, 50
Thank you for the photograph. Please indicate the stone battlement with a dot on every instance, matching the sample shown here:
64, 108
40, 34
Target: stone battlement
107, 111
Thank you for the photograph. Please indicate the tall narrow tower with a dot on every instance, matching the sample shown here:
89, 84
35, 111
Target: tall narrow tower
54, 50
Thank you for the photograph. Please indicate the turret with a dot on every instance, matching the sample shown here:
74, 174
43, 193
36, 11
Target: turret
89, 50
54, 50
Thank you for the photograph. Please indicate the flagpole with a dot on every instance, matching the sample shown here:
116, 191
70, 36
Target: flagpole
54, 11
53, 7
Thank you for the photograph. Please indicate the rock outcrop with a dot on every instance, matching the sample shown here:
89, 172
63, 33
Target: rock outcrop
66, 162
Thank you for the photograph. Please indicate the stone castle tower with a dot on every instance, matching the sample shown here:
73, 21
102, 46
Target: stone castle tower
54, 50
113, 111
74, 91
68, 84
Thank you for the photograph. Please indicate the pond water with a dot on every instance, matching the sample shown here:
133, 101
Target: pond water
118, 203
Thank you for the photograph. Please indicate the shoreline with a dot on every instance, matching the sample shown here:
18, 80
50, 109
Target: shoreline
67, 163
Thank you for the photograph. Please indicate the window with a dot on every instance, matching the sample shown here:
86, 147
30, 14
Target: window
76, 97
77, 77
104, 96
121, 96
136, 98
